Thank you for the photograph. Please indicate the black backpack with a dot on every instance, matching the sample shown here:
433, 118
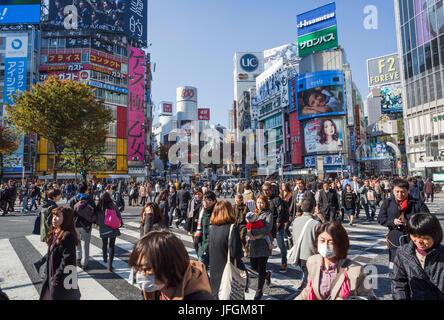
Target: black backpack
83, 209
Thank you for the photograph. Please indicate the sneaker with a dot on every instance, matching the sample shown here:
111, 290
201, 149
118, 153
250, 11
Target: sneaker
258, 295
268, 278
283, 267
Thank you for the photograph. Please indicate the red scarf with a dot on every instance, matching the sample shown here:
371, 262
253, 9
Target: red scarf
403, 205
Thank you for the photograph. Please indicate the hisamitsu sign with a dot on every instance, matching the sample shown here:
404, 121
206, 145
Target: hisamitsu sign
383, 70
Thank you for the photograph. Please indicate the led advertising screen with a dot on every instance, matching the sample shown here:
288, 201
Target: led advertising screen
320, 94
19, 11
122, 16
323, 135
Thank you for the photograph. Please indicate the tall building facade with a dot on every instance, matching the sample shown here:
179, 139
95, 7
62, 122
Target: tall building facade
420, 34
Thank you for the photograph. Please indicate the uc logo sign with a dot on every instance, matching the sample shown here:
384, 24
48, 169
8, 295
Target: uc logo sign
16, 44
188, 94
249, 62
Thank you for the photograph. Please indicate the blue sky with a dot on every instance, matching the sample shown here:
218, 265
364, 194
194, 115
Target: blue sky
194, 41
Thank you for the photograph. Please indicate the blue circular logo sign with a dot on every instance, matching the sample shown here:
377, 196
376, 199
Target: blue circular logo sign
249, 62
16, 44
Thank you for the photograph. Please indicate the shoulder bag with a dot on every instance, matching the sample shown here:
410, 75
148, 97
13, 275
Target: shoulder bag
111, 218
293, 253
234, 280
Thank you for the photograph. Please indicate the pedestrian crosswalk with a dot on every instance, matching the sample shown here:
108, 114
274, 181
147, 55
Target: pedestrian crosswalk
21, 282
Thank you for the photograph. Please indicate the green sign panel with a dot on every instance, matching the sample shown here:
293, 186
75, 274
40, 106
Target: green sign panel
318, 41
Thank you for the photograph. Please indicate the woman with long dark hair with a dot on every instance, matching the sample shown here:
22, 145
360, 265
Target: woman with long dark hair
328, 136
151, 218
61, 258
107, 234
162, 200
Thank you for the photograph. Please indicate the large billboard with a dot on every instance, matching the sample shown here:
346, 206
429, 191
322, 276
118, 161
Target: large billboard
383, 70
136, 104
123, 16
286, 54
19, 11
320, 94
323, 135
317, 30
391, 99
295, 140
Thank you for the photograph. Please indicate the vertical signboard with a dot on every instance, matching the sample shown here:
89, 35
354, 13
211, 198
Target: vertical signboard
358, 126
295, 140
349, 96
16, 55
136, 103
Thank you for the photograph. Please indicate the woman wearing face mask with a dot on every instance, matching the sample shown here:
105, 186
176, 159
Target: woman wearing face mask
331, 276
164, 270
418, 271
61, 257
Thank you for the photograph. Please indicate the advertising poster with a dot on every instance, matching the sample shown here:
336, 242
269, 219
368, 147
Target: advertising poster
378, 151
285, 54
391, 100
320, 94
136, 103
124, 16
16, 57
295, 140
317, 30
400, 125
323, 135
19, 11
383, 70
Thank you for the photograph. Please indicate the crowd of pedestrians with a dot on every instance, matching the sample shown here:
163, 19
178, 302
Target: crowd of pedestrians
304, 219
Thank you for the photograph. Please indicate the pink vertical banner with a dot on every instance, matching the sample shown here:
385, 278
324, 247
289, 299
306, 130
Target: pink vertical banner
136, 105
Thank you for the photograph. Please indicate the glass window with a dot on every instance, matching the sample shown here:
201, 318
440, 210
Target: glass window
408, 41
405, 67
435, 52
45, 43
431, 19
61, 43
431, 87
428, 56
411, 7
405, 15
425, 91
85, 57
413, 33
441, 46
53, 43
409, 64
415, 62
438, 86
421, 59
124, 68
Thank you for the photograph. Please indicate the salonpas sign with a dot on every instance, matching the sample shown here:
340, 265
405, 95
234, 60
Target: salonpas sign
318, 41
317, 29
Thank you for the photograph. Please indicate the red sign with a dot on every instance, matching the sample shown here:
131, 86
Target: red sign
106, 62
295, 140
75, 75
80, 67
203, 114
188, 93
65, 58
167, 108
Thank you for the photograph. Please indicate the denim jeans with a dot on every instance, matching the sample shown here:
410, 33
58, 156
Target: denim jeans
367, 208
430, 195
33, 203
280, 235
25, 204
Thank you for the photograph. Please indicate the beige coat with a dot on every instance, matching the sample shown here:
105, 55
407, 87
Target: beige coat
355, 275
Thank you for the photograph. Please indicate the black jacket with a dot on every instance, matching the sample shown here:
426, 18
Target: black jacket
164, 208
219, 253
79, 221
328, 201
390, 211
348, 200
183, 197
172, 200
279, 209
411, 282
63, 260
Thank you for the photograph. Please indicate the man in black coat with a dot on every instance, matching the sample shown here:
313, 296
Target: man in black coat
182, 201
328, 202
280, 216
395, 212
10, 195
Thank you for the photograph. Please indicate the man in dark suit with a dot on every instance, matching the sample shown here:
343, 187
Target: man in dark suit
182, 200
328, 202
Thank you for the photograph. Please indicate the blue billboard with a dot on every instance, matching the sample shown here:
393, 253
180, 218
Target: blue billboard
319, 94
16, 54
316, 19
19, 11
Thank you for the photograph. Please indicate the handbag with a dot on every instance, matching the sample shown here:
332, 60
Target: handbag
234, 280
111, 218
293, 253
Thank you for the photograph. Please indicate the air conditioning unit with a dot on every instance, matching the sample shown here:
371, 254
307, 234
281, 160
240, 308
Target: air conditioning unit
429, 159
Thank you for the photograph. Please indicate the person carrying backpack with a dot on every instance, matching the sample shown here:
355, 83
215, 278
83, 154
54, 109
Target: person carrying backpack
118, 198
84, 216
